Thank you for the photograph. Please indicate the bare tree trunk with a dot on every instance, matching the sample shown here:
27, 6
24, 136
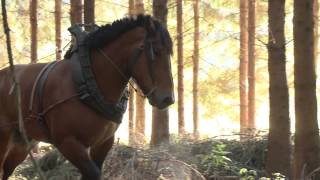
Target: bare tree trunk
140, 101
76, 11
131, 116
196, 69
34, 40
34, 30
131, 7
180, 67
243, 65
306, 151
57, 16
89, 14
316, 34
160, 118
132, 94
279, 148
139, 6
251, 64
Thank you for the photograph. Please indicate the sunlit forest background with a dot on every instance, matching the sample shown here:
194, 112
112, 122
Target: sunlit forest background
219, 52
219, 56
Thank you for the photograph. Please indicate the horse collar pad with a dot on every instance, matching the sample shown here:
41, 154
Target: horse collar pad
86, 84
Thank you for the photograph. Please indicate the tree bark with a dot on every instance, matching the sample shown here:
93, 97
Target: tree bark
34, 40
243, 69
140, 101
196, 69
279, 148
57, 17
131, 116
89, 14
132, 94
306, 151
316, 34
180, 67
34, 30
131, 7
160, 118
139, 6
76, 11
251, 64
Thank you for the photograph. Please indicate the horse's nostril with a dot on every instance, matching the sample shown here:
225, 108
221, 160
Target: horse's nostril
168, 100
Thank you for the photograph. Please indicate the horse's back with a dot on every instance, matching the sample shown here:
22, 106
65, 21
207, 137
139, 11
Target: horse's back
25, 74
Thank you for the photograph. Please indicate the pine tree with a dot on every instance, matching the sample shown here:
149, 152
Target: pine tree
196, 69
57, 17
160, 118
306, 151
132, 93
140, 101
34, 30
180, 67
88, 7
76, 11
279, 148
243, 65
251, 63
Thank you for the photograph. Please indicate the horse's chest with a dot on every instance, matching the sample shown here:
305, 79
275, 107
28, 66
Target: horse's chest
106, 132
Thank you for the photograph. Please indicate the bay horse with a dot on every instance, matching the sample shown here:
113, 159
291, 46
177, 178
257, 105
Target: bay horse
81, 134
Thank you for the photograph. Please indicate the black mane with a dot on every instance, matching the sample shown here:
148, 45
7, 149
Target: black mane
109, 32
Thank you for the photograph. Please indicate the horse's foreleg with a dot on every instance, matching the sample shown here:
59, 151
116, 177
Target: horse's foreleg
98, 153
78, 155
4, 143
15, 156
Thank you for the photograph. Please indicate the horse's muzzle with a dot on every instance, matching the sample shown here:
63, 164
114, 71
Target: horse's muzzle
161, 99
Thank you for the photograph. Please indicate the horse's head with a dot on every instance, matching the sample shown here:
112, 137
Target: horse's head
151, 68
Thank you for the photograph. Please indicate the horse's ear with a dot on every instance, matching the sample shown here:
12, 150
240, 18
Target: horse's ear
150, 26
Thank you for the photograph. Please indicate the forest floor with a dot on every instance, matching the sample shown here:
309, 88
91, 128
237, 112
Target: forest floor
213, 158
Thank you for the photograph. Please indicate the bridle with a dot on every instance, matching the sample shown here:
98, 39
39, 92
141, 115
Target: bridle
149, 52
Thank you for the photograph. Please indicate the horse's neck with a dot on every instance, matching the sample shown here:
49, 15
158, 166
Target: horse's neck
110, 81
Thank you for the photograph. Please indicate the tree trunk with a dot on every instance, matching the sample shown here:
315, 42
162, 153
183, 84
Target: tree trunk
279, 151
131, 116
251, 64
57, 16
76, 11
316, 34
34, 40
88, 7
139, 5
180, 67
131, 7
160, 118
306, 151
140, 101
34, 30
195, 69
132, 94
243, 65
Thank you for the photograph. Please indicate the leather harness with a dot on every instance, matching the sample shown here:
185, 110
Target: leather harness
86, 86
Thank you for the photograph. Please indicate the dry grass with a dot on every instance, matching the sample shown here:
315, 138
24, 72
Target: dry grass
182, 159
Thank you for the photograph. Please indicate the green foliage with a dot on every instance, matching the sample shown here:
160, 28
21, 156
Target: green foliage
216, 160
247, 174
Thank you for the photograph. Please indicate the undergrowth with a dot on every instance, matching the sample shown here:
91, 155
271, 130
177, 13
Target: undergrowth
182, 159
